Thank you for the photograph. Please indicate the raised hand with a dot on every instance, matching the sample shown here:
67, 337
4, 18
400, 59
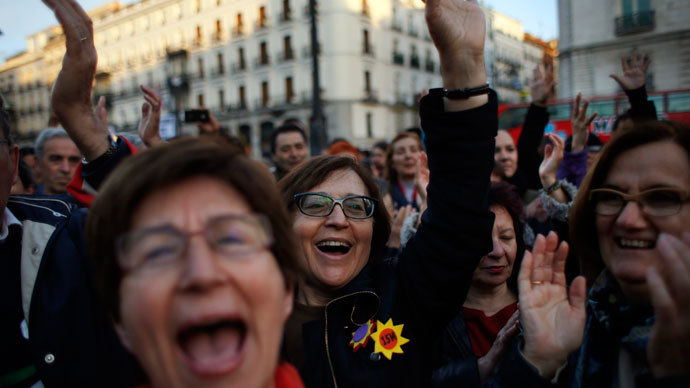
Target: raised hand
211, 126
458, 28
553, 156
552, 319
580, 124
634, 72
541, 86
149, 125
668, 351
421, 177
399, 217
71, 96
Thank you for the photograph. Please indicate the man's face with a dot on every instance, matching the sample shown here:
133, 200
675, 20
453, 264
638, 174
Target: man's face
378, 158
58, 162
291, 150
9, 158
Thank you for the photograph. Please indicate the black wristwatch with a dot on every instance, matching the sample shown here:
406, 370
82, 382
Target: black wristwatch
104, 156
461, 94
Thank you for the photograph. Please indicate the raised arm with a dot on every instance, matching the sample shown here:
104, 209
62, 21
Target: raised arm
633, 84
541, 90
71, 97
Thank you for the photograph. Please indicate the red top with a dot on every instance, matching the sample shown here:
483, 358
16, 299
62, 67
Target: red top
286, 376
483, 330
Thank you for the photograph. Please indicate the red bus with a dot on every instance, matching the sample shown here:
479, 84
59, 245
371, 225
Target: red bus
670, 105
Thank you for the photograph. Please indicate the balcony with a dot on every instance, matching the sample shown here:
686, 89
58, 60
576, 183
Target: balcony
261, 23
238, 31
365, 10
217, 72
263, 60
396, 26
368, 49
398, 58
414, 61
635, 23
178, 83
286, 56
262, 103
238, 67
197, 42
429, 65
370, 96
217, 37
285, 16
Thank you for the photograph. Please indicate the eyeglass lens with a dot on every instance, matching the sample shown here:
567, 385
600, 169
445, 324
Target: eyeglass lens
319, 205
654, 202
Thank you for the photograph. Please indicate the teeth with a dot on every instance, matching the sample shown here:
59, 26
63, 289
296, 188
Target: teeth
636, 243
333, 244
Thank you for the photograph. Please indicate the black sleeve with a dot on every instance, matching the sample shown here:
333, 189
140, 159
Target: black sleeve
528, 145
95, 172
640, 106
436, 265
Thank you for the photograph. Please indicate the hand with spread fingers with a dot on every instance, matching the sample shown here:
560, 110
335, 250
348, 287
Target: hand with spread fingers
458, 29
71, 96
541, 87
580, 123
552, 317
668, 351
553, 156
149, 125
504, 338
634, 71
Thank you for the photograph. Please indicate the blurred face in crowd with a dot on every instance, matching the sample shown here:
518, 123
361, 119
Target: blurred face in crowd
495, 268
378, 158
9, 156
627, 240
291, 150
210, 313
58, 163
405, 157
32, 161
335, 247
506, 154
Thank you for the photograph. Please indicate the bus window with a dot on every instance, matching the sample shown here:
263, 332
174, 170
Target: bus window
658, 101
678, 102
559, 112
604, 108
511, 118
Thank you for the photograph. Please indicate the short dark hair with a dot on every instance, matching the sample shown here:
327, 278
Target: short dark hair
25, 176
285, 129
506, 195
381, 145
5, 122
316, 170
583, 233
166, 165
26, 150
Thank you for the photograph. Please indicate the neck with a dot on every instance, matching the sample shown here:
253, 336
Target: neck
406, 179
311, 296
491, 299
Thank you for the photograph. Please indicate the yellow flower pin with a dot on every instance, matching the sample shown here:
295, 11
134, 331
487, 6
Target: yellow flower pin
388, 338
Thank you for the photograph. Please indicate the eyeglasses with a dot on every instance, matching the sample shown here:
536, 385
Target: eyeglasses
161, 247
321, 205
660, 202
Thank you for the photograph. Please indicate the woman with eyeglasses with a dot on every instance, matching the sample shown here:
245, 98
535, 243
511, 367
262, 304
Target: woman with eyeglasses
631, 232
201, 279
359, 320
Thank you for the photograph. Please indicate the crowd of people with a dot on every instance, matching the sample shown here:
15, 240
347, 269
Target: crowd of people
454, 257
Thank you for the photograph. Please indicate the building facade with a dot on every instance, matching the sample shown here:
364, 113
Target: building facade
595, 34
250, 63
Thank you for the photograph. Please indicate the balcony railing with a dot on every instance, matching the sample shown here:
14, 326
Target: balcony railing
238, 31
261, 61
398, 58
285, 16
238, 67
635, 22
261, 23
287, 55
370, 95
368, 49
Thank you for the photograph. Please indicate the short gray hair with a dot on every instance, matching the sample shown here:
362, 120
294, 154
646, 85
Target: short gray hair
45, 135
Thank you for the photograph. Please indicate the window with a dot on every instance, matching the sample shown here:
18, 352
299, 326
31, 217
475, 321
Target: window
287, 47
219, 62
365, 42
603, 108
367, 82
263, 54
200, 67
239, 27
219, 30
200, 100
370, 129
285, 15
262, 22
365, 7
242, 97
559, 112
264, 93
679, 102
198, 6
197, 36
221, 99
289, 92
511, 118
240, 57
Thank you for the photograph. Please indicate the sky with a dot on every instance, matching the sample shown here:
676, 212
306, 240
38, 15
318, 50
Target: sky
20, 18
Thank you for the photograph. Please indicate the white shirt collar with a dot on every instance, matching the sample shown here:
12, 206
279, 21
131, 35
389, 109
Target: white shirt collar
7, 219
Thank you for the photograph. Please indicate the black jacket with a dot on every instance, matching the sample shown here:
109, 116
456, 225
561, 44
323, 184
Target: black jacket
423, 286
72, 342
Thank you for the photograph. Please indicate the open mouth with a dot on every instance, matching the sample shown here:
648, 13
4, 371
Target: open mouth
334, 247
213, 348
625, 243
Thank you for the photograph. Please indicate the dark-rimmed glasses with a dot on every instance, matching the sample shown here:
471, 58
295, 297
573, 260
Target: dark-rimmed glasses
165, 246
321, 205
658, 202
